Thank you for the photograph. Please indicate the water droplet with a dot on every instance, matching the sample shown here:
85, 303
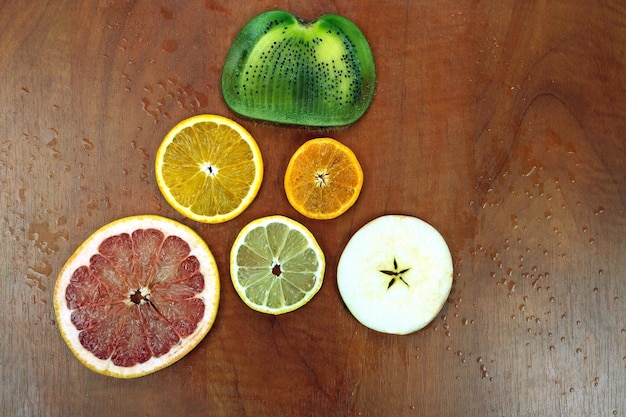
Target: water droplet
38, 274
146, 105
87, 144
483, 372
599, 210
45, 239
169, 45
166, 13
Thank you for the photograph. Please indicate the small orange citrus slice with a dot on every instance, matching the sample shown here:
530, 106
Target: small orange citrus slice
209, 168
323, 179
137, 296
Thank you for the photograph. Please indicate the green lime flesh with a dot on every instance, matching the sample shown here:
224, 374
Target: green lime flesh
285, 71
276, 266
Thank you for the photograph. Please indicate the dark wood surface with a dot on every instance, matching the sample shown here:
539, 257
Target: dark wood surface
502, 123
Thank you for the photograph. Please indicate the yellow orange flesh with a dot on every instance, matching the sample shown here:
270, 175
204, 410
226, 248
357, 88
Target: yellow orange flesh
209, 168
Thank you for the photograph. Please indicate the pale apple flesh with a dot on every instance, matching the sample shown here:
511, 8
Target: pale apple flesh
395, 274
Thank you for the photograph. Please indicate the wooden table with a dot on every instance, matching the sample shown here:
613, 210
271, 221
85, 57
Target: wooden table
501, 123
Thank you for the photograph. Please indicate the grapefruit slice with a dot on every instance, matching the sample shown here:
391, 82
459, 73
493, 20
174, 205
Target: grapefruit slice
395, 274
137, 296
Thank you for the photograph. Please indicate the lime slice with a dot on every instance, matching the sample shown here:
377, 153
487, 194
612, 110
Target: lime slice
276, 265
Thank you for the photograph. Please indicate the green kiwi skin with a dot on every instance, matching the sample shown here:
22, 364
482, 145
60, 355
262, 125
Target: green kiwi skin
266, 78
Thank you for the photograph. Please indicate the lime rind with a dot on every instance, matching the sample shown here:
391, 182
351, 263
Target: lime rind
282, 70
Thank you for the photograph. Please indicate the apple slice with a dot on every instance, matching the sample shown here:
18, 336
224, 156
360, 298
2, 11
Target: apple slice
395, 274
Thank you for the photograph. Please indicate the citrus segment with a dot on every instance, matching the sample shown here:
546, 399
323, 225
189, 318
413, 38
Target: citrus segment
395, 274
323, 179
209, 168
137, 296
276, 265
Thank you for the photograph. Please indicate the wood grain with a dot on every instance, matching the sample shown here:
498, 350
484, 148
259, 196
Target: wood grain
502, 123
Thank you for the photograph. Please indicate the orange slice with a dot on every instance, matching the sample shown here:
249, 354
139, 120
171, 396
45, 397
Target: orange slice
137, 296
323, 179
209, 168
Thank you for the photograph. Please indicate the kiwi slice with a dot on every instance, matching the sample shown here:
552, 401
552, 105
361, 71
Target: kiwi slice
280, 69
